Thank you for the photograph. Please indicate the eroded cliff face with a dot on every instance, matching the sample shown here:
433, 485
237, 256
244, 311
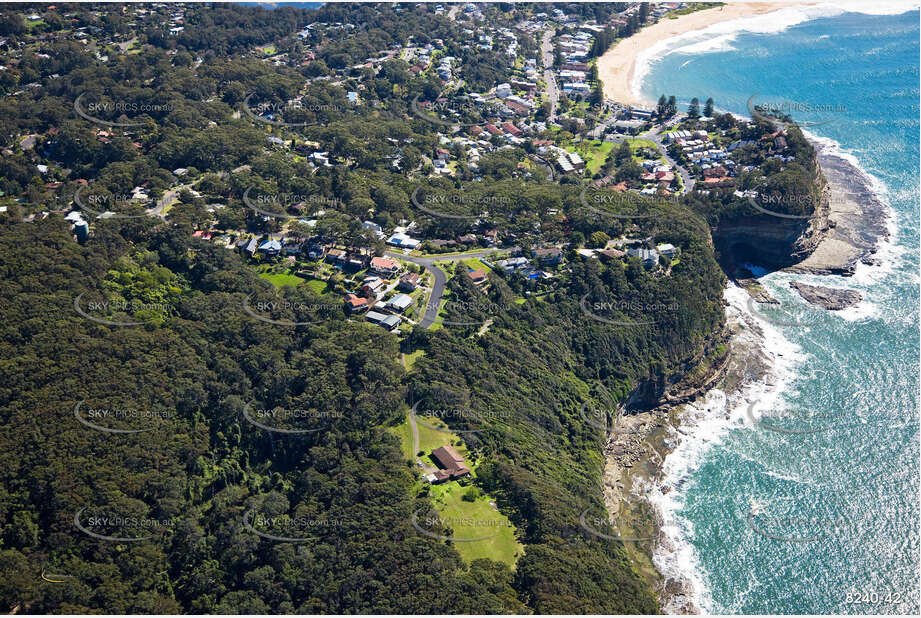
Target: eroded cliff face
773, 242
768, 241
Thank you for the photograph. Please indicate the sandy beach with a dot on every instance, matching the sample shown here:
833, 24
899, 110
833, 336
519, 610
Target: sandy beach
616, 67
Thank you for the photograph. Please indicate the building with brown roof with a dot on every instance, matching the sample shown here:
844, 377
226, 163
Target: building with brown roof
478, 276
451, 463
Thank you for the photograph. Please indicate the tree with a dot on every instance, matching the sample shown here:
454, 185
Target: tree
672, 107
598, 239
708, 108
694, 108
661, 107
623, 154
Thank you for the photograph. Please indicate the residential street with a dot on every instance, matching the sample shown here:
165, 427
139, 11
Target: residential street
440, 279
687, 181
553, 92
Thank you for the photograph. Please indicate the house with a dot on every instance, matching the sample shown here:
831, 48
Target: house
649, 257
354, 303
667, 249
512, 129
335, 256
81, 230
576, 161
252, 246
478, 276
512, 263
371, 287
384, 267
609, 255
409, 282
390, 322
400, 303
565, 165
552, 255
270, 247
355, 262
450, 462
315, 251
402, 240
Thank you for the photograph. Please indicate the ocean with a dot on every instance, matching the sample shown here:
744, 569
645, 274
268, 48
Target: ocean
800, 495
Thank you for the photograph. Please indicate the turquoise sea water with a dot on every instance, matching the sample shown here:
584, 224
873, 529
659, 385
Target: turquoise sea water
798, 522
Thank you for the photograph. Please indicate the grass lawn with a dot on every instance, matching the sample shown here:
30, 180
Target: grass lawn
411, 358
466, 520
474, 520
594, 153
282, 279
404, 432
430, 439
475, 264
269, 50
317, 285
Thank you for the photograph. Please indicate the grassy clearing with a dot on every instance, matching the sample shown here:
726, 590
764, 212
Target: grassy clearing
430, 438
317, 286
475, 520
404, 432
282, 279
411, 358
463, 519
475, 264
594, 153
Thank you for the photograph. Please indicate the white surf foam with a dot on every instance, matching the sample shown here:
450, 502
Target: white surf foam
704, 426
719, 36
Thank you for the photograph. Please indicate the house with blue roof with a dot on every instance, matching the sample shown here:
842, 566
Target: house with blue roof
271, 247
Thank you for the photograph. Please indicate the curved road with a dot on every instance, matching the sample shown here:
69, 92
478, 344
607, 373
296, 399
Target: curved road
687, 181
441, 280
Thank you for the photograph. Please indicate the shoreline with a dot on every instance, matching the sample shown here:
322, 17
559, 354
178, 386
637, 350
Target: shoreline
638, 483
617, 66
653, 453
857, 222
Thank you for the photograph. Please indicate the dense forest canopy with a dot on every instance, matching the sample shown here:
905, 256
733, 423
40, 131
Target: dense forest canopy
132, 366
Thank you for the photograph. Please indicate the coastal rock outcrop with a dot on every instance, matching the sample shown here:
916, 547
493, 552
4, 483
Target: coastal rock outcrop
827, 298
